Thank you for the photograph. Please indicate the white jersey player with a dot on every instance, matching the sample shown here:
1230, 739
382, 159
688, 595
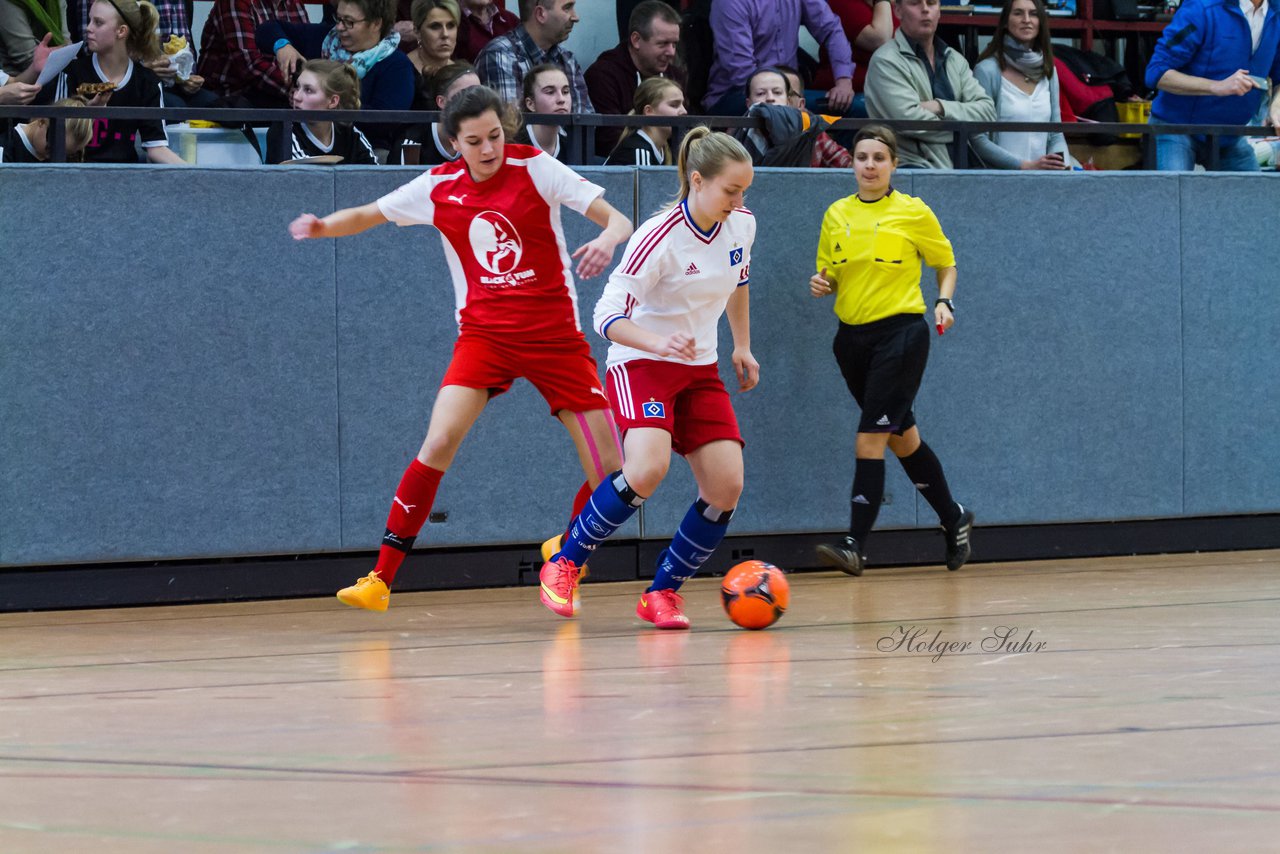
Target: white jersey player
682, 269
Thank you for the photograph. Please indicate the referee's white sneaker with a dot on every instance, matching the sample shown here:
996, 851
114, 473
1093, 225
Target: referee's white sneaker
958, 539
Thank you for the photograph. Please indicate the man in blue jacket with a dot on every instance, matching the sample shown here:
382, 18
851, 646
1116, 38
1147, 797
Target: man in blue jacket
1211, 66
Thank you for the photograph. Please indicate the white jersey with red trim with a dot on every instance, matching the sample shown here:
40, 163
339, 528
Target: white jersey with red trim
511, 270
675, 277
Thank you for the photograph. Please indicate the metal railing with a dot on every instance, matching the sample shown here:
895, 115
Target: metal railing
580, 127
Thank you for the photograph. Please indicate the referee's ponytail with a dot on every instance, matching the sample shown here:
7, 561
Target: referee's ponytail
706, 152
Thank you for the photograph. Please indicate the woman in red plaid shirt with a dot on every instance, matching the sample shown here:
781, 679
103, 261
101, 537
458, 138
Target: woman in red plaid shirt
230, 62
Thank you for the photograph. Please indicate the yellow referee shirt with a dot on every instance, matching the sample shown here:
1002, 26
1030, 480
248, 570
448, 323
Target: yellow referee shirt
872, 253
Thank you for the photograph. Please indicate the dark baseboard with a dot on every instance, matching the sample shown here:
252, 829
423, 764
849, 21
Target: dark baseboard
28, 588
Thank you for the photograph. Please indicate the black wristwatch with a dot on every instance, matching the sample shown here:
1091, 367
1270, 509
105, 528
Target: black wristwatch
945, 301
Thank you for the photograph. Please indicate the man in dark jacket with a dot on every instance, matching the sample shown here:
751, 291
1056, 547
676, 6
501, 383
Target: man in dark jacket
648, 51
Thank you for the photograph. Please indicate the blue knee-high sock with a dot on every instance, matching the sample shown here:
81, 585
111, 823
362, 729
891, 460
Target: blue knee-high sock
701, 531
612, 504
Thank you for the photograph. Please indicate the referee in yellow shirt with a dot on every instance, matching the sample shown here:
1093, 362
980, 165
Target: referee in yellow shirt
869, 256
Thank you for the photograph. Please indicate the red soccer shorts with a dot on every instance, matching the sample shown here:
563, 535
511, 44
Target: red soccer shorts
563, 372
688, 401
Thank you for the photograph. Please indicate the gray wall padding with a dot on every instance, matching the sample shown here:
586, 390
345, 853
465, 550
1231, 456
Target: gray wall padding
167, 385
1057, 396
178, 378
1231, 344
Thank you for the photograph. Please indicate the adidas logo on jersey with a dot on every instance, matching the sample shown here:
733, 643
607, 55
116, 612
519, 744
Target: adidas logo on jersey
692, 270
883, 422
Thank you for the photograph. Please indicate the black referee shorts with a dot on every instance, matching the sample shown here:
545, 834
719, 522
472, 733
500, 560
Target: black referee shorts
882, 363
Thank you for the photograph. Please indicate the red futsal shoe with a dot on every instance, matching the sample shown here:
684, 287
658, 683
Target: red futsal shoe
560, 586
663, 608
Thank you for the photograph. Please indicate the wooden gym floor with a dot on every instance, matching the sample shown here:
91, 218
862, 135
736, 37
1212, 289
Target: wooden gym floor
1145, 720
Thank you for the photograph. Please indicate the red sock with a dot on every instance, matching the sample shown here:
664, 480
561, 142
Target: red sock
409, 511
579, 503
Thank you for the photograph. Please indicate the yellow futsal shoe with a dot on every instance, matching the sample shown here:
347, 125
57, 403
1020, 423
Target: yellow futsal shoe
553, 545
370, 593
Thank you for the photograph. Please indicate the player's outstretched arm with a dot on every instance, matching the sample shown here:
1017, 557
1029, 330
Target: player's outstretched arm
596, 255
341, 223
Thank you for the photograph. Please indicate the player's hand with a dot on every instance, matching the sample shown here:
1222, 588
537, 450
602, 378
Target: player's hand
1239, 83
747, 369
942, 317
679, 346
305, 226
819, 284
289, 61
595, 256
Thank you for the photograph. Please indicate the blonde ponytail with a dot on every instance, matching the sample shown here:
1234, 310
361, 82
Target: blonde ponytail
706, 152
144, 40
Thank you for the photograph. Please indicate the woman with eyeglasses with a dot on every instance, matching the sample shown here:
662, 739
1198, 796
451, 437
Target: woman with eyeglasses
361, 36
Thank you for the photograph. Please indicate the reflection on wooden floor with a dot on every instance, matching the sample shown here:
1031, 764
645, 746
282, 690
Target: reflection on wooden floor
1125, 704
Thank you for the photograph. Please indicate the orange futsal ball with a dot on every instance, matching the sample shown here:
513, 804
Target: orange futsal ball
755, 594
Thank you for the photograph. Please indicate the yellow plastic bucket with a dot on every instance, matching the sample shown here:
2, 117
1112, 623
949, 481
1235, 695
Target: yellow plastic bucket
1133, 113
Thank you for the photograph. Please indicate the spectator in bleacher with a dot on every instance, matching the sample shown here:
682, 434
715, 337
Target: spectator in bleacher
916, 77
21, 88
362, 35
482, 22
173, 18
323, 85
795, 86
649, 50
185, 91
30, 143
229, 60
867, 25
545, 89
1016, 70
117, 31
544, 25
1211, 66
435, 25
651, 145
19, 38
751, 34
769, 86
429, 143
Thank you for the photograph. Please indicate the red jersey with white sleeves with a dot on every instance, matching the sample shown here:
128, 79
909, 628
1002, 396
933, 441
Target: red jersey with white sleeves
503, 240
674, 277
